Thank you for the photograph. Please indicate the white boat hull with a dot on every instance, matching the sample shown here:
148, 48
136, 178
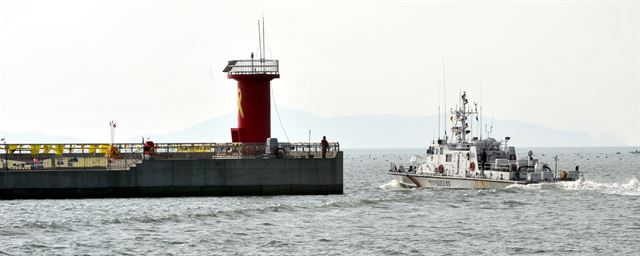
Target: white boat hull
448, 182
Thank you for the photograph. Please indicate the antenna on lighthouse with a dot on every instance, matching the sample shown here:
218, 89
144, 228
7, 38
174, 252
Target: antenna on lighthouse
264, 53
262, 48
259, 41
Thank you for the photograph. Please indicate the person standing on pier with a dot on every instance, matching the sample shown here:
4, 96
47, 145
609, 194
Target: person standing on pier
324, 144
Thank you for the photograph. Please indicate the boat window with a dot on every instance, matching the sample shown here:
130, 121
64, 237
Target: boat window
448, 158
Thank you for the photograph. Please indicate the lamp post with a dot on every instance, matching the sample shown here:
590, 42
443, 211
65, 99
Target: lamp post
309, 144
6, 155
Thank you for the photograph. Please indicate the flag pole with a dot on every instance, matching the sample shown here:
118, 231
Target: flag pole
112, 125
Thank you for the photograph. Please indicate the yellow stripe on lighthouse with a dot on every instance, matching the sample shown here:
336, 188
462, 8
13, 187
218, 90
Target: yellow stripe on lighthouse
240, 103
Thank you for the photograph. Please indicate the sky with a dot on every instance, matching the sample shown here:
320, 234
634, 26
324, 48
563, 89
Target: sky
70, 67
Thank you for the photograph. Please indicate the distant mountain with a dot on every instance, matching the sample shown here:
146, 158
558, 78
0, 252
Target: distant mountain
377, 131
361, 131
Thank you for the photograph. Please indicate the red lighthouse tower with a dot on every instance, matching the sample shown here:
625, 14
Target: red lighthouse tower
254, 98
254, 94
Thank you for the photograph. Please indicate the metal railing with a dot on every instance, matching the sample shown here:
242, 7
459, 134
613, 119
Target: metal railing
246, 67
94, 155
309, 150
67, 149
245, 150
71, 163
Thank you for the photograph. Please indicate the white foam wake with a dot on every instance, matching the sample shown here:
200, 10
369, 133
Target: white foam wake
525, 187
393, 184
632, 187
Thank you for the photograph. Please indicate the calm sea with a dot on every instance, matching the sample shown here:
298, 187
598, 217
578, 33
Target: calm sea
599, 216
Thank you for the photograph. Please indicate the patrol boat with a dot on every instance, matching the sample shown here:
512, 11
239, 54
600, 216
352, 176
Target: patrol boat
466, 162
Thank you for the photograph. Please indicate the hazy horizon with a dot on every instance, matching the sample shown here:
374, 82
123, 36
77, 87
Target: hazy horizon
357, 131
70, 67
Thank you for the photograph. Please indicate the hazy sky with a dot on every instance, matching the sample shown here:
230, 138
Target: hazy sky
69, 67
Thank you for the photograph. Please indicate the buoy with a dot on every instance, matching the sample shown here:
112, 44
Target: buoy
440, 169
472, 166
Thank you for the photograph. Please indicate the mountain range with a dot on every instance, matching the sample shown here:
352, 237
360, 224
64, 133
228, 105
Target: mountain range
359, 131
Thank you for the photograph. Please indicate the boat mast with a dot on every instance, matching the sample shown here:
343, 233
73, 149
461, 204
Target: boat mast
439, 112
444, 89
481, 131
472, 132
461, 114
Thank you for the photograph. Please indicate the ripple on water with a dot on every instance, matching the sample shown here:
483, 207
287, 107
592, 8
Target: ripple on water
375, 216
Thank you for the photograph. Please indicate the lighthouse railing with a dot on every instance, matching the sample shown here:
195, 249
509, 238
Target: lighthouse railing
250, 67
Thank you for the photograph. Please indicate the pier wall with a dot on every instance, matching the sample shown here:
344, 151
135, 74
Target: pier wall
170, 178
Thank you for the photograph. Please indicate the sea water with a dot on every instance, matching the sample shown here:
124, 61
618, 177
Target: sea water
374, 216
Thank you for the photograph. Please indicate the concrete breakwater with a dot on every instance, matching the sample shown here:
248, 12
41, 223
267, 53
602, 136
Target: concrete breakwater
171, 178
